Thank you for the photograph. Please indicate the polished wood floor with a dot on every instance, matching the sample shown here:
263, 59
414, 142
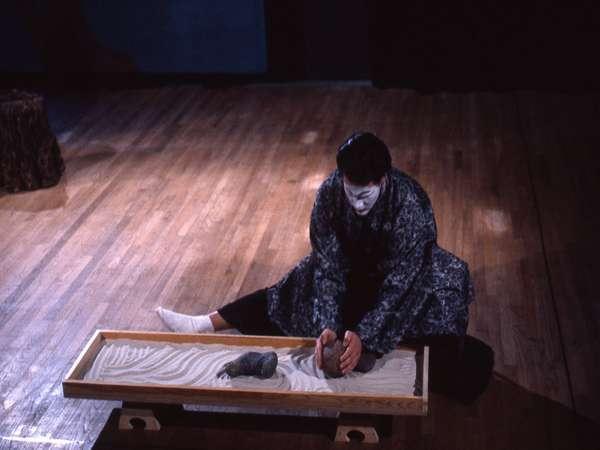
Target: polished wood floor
187, 197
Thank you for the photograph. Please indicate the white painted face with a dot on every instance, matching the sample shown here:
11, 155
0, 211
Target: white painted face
362, 198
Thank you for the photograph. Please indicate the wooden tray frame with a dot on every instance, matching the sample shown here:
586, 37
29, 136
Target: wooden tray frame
74, 386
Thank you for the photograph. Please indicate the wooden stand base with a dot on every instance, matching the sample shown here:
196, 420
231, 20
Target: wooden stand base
348, 428
362, 434
144, 417
363, 428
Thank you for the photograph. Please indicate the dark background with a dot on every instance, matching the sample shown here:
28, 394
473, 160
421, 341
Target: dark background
423, 45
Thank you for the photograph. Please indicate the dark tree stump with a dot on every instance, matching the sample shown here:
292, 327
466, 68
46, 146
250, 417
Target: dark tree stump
29, 154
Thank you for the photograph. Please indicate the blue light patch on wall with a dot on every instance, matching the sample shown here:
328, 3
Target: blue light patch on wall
183, 36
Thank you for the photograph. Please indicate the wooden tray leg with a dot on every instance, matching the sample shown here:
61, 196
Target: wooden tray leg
358, 428
130, 416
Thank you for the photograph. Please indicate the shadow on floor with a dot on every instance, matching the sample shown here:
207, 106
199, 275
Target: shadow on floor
38, 200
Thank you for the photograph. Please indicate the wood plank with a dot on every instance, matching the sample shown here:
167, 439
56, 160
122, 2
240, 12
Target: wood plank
425, 380
209, 338
352, 403
86, 357
562, 137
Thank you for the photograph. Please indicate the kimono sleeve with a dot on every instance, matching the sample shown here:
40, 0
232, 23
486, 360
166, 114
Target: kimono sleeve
398, 306
329, 278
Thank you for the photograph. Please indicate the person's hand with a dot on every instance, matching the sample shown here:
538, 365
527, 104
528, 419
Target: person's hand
326, 337
351, 355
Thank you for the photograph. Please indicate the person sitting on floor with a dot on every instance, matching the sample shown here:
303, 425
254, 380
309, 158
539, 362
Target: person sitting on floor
375, 275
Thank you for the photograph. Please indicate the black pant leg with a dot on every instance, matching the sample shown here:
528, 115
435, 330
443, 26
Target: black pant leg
249, 315
361, 297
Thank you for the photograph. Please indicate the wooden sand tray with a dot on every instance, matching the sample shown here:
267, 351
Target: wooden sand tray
352, 404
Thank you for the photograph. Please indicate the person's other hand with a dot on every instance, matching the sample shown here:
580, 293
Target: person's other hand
351, 355
326, 337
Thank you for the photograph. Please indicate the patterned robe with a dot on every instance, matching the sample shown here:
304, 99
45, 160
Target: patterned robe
422, 289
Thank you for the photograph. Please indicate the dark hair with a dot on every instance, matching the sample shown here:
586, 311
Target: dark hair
363, 158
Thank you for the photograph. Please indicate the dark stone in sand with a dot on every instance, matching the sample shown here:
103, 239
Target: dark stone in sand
254, 364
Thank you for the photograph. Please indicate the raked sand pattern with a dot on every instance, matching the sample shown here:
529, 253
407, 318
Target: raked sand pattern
146, 362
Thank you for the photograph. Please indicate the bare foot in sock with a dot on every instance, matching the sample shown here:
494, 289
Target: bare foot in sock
184, 323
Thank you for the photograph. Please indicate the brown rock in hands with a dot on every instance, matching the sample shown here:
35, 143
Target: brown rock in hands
332, 352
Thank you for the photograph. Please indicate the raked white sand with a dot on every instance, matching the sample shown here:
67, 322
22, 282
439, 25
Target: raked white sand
147, 362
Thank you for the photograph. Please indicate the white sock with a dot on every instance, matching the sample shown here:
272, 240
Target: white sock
184, 323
